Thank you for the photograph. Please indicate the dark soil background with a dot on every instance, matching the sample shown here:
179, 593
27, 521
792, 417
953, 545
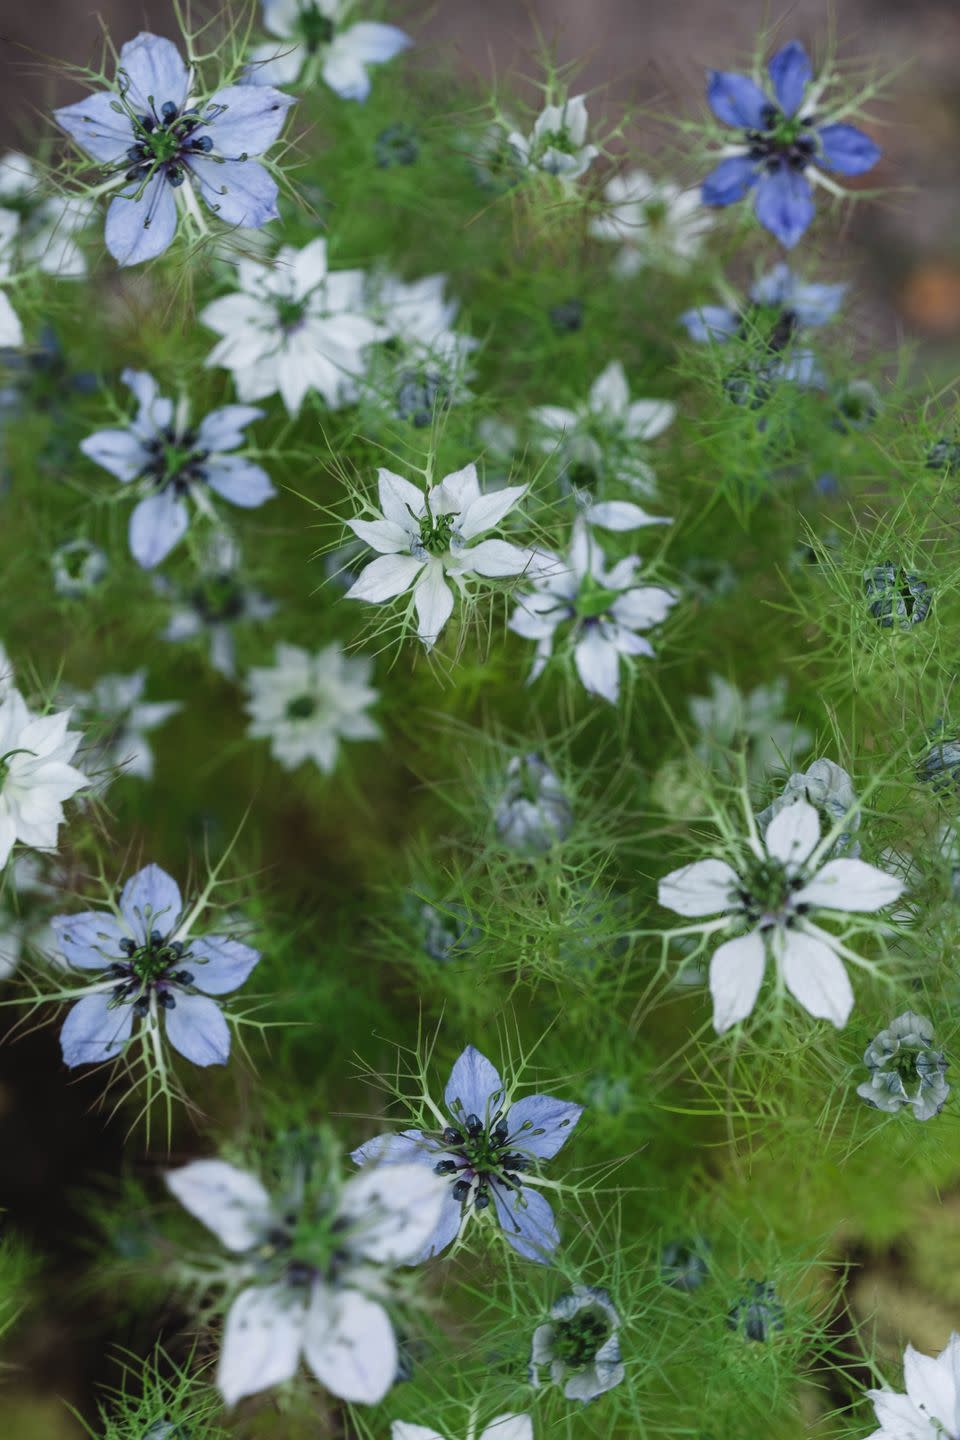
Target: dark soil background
901, 254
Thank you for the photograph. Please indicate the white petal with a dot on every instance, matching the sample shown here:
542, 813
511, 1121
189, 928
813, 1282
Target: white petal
406, 1430
350, 1346
850, 885
509, 1427
930, 1384
385, 578
736, 971
646, 419
899, 1418
793, 834
261, 1341
434, 601
622, 515
486, 511
704, 888
609, 393
815, 976
496, 559
393, 1210
229, 1201
598, 665
400, 501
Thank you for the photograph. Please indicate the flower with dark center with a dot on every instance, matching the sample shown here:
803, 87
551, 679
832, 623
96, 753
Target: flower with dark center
579, 1344
759, 1314
903, 1056
683, 1264
320, 39
898, 598
167, 461
944, 454
305, 704
165, 149
421, 395
397, 145
557, 144
785, 144
490, 1153
142, 963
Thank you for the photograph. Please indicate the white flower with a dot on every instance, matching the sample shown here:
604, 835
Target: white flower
35, 774
294, 326
11, 330
52, 222
657, 223
427, 359
557, 143
930, 1410
604, 436
332, 1314
504, 1427
425, 537
728, 718
316, 38
603, 608
306, 704
773, 896
123, 719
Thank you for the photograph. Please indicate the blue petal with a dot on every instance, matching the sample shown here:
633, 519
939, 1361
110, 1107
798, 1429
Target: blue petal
250, 121
710, 322
196, 1027
847, 150
784, 204
155, 70
223, 429
539, 1124
816, 304
239, 192
448, 1226
94, 1032
791, 73
238, 480
90, 941
736, 100
730, 181
119, 451
156, 525
142, 228
474, 1087
774, 288
527, 1221
223, 964
151, 900
401, 1147
97, 127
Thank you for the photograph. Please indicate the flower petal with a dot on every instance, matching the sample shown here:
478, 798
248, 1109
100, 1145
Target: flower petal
95, 1030
729, 181
710, 322
598, 665
793, 834
931, 1384
847, 150
851, 885
815, 976
736, 99
231, 1202
90, 941
239, 192
736, 971
224, 429
791, 72
156, 526
509, 1427
527, 1221
393, 1210
495, 559
400, 501
119, 451
783, 203
238, 480
434, 603
261, 1341
151, 900
223, 966
474, 1087
153, 71
486, 511
385, 578
349, 1344
540, 1124
622, 515
250, 119
141, 223
704, 888
97, 127
196, 1027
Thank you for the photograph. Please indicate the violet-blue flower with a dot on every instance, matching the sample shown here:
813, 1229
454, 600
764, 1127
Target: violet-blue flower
492, 1149
169, 461
164, 146
787, 142
144, 962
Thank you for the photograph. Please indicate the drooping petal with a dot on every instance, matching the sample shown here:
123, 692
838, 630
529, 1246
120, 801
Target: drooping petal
540, 1124
119, 451
815, 976
729, 181
527, 1221
141, 223
231, 1202
736, 971
703, 888
349, 1344
89, 941
239, 192
447, 1227
783, 203
598, 665
474, 1087
847, 150
385, 578
95, 1030
393, 1210
239, 480
246, 120
273, 64
736, 100
851, 885
223, 966
196, 1027
261, 1341
152, 71
434, 603
793, 834
791, 72
151, 900
157, 524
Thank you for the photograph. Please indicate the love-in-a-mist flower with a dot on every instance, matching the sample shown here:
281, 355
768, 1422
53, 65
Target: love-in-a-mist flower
78, 568
780, 305
292, 326
599, 610
425, 538
215, 603
772, 900
166, 147
532, 811
322, 38
730, 719
315, 1264
36, 776
423, 365
503, 1427
168, 461
788, 139
579, 1345
557, 144
657, 224
930, 1410
145, 964
306, 704
119, 720
603, 438
829, 789
490, 1149
906, 1072
50, 223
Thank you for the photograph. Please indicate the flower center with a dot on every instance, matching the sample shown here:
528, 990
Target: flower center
437, 533
783, 141
290, 313
218, 599
484, 1154
302, 707
313, 29
593, 599
150, 967
576, 1340
174, 460
766, 893
165, 141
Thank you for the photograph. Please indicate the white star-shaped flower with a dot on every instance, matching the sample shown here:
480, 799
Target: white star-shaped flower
306, 704
558, 142
930, 1410
35, 774
318, 36
657, 223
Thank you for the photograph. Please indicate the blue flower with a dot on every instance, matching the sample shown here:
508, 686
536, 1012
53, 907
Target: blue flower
164, 147
170, 461
144, 963
486, 1148
785, 144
